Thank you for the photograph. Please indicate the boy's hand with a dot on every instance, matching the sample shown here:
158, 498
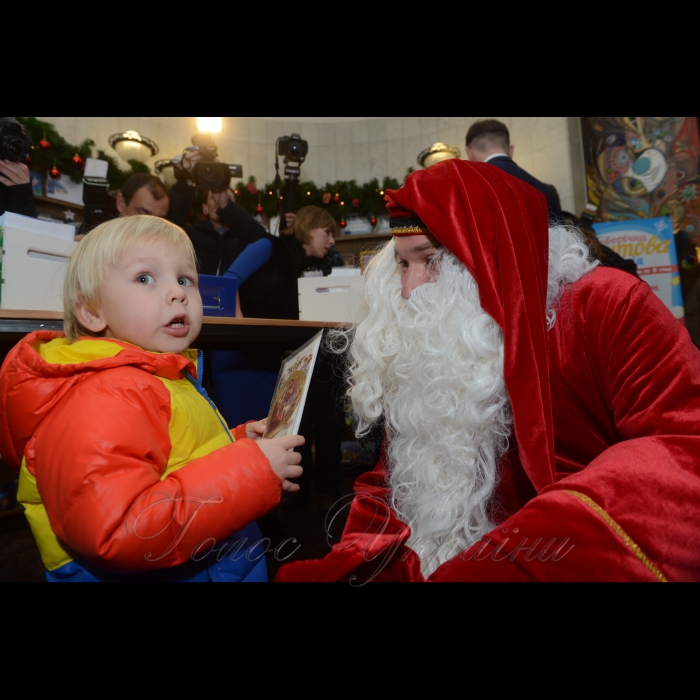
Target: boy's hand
255, 431
283, 462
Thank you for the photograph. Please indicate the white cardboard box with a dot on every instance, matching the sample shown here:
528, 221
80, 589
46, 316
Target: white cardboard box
330, 299
34, 263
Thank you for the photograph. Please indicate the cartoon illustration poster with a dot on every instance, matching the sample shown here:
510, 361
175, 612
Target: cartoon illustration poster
651, 244
645, 168
292, 389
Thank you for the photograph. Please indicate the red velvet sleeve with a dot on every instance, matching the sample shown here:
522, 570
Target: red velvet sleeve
99, 461
634, 512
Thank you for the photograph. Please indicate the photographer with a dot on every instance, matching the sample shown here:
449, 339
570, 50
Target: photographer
227, 229
16, 194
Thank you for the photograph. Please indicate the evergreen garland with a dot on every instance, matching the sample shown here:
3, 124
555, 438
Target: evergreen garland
61, 154
367, 199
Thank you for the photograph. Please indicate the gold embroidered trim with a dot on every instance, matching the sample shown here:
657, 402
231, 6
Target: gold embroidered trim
636, 549
410, 231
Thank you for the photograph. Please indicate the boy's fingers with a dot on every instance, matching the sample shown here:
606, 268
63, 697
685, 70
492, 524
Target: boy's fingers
292, 441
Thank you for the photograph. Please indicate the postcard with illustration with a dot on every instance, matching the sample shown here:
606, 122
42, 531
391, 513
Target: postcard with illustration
292, 389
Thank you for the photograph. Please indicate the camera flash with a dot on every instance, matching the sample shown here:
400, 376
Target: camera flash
211, 125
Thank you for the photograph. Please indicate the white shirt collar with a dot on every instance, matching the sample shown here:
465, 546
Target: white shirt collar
496, 155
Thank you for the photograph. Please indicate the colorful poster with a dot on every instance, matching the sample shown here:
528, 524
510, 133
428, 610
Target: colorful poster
651, 244
645, 168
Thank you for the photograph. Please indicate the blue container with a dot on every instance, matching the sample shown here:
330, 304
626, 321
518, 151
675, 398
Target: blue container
218, 295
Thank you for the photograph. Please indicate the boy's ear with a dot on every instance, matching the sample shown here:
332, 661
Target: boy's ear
90, 320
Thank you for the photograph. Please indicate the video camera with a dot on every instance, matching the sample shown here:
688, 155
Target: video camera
209, 174
294, 151
14, 140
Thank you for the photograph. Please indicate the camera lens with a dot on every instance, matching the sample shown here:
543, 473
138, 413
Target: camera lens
17, 150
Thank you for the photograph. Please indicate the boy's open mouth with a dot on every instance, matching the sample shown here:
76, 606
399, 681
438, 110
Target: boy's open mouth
180, 325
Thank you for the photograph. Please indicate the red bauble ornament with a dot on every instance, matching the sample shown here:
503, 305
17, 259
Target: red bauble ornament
28, 160
252, 189
260, 209
45, 145
356, 203
373, 221
336, 199
343, 224
78, 161
55, 173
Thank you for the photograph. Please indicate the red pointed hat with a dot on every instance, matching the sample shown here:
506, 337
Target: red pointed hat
498, 226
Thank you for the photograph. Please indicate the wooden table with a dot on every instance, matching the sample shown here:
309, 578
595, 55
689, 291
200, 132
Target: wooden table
216, 332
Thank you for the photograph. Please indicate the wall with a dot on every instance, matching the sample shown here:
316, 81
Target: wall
350, 148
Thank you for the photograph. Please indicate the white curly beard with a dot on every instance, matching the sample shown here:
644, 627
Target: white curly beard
437, 377
432, 365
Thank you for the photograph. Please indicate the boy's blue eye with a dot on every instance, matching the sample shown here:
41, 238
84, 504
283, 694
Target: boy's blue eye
186, 282
146, 279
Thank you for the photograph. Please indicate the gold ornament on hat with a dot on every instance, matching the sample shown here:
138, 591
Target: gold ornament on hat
437, 153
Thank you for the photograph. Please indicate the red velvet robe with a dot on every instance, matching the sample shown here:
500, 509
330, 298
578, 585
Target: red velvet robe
624, 501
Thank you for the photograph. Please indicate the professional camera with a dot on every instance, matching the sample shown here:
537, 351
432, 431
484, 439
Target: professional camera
208, 174
294, 151
14, 140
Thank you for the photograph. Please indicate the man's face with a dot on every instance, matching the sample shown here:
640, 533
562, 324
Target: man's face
151, 299
216, 201
143, 202
414, 255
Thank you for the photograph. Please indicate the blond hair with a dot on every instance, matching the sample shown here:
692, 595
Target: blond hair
309, 219
105, 247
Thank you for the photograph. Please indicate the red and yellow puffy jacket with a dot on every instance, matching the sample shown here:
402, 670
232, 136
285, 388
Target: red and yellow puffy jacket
124, 462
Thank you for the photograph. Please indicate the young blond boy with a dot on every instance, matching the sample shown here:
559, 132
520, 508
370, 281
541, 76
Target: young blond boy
127, 470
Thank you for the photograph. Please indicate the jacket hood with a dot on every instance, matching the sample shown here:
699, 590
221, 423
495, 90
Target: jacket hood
44, 366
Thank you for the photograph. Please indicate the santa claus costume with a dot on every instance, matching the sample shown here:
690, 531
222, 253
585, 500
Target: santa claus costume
542, 413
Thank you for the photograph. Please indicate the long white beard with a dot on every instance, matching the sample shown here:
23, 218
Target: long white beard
433, 366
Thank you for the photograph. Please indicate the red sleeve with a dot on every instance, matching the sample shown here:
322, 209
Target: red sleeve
99, 461
634, 512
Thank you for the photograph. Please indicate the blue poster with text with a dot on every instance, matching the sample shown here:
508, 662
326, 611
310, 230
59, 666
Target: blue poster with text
651, 244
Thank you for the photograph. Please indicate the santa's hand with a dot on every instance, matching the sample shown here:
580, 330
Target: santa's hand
284, 462
255, 431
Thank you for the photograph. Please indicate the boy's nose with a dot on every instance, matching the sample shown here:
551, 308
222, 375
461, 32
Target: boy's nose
178, 293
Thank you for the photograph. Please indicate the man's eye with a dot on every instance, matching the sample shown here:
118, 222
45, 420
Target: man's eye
146, 279
186, 282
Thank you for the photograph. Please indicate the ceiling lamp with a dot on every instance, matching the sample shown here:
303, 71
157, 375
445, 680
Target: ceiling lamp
132, 146
437, 153
211, 125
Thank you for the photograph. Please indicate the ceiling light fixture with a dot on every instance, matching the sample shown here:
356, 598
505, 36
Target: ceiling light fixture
130, 145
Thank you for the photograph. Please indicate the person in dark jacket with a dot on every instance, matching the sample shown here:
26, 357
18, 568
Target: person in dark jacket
16, 194
488, 141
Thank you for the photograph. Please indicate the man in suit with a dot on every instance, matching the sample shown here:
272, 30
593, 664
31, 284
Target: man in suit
488, 141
